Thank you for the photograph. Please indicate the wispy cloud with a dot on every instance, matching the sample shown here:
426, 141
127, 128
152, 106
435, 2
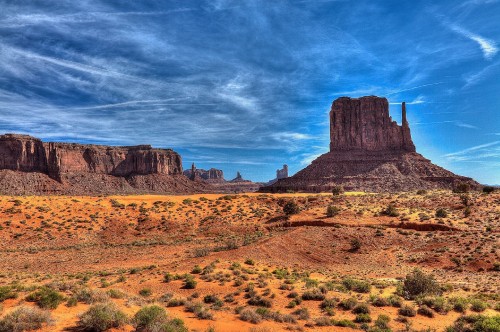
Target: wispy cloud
478, 152
488, 46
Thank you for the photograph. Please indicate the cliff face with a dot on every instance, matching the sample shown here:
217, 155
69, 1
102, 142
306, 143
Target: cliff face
369, 152
365, 124
91, 168
211, 175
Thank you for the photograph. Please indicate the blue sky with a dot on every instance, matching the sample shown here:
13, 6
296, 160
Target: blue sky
247, 85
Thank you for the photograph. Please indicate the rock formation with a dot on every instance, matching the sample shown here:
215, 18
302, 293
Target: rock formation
30, 166
212, 175
369, 152
280, 174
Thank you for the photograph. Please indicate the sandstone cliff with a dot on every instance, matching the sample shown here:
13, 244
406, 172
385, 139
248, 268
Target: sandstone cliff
30, 166
212, 175
369, 152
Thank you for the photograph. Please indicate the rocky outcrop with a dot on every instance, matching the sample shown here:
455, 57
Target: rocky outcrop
87, 169
280, 174
212, 175
369, 152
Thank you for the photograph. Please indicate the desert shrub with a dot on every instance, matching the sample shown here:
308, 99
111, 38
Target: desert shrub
391, 211
345, 323
356, 285
199, 310
348, 304
302, 313
418, 283
88, 296
328, 303
116, 294
337, 190
196, 269
291, 208
201, 252
332, 211
407, 311
425, 311
168, 277
476, 323
146, 292
324, 321
421, 192
461, 188
101, 317
361, 308
149, 318
459, 304
249, 261
259, 301
355, 245
488, 189
189, 282
478, 305
313, 295
251, 316
439, 304
7, 292
363, 318
25, 319
395, 301
175, 302
441, 213
46, 298
382, 322
380, 301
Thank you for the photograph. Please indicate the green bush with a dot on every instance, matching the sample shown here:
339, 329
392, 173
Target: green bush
418, 283
148, 318
101, 317
476, 323
407, 311
361, 308
363, 318
391, 211
25, 319
146, 292
7, 292
313, 295
356, 285
337, 190
291, 208
488, 189
382, 322
425, 311
441, 213
189, 282
248, 315
46, 298
459, 304
332, 211
478, 305
348, 304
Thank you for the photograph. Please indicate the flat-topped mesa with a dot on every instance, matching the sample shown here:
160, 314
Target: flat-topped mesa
364, 124
29, 154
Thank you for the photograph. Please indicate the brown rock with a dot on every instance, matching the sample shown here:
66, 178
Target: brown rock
88, 169
369, 152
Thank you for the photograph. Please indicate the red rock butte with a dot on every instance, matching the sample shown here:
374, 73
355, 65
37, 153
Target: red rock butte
30, 166
369, 152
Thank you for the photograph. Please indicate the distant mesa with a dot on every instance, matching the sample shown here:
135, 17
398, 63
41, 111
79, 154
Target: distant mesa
280, 174
30, 166
212, 175
369, 152
239, 178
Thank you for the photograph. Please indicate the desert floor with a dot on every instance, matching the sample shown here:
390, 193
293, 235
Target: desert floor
253, 267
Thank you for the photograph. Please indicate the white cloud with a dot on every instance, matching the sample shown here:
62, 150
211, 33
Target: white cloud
488, 47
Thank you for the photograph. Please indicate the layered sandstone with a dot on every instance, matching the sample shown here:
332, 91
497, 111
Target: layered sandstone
87, 169
369, 152
212, 175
